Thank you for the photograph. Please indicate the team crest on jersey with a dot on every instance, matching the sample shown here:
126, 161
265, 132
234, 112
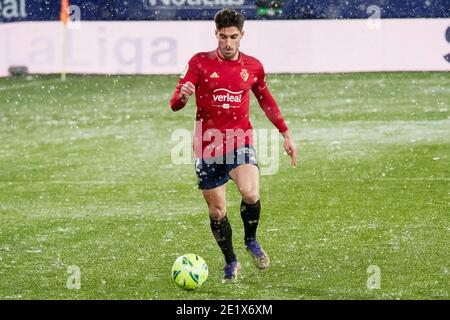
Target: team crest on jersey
244, 74
214, 75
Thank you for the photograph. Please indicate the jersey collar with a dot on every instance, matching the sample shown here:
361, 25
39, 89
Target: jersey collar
239, 59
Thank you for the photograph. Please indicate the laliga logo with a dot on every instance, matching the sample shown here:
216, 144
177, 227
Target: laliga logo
230, 96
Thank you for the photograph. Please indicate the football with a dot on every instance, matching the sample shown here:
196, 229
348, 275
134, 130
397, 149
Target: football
189, 271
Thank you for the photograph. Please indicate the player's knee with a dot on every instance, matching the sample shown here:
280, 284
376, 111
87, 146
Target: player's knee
217, 212
249, 195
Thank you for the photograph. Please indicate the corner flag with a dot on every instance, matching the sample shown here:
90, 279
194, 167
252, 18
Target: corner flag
64, 13
64, 17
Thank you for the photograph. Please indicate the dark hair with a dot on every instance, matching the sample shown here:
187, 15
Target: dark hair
229, 18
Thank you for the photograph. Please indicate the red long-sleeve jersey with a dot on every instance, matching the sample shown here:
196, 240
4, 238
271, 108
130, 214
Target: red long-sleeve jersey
222, 92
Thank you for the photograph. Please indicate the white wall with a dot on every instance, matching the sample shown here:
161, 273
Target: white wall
283, 46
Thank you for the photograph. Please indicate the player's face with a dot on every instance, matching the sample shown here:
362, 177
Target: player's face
229, 42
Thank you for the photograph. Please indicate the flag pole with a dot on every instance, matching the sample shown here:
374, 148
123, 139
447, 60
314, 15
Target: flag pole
63, 52
64, 17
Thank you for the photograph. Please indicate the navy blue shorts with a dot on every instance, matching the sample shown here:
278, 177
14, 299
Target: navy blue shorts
214, 172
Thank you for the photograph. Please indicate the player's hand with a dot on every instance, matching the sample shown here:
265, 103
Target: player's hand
290, 148
187, 89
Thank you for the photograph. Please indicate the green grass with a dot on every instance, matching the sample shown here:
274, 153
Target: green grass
86, 179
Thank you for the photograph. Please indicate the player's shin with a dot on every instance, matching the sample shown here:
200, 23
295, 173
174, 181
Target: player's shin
222, 232
250, 216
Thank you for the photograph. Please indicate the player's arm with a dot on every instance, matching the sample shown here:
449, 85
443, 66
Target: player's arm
181, 95
273, 113
185, 87
290, 148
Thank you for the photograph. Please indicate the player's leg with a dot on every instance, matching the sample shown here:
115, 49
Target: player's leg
216, 200
246, 177
221, 229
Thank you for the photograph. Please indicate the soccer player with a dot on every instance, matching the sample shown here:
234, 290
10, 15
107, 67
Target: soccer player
221, 80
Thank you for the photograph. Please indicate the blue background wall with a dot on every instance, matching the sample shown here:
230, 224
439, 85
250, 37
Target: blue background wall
12, 10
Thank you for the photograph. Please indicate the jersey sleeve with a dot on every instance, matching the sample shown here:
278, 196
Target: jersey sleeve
267, 102
190, 74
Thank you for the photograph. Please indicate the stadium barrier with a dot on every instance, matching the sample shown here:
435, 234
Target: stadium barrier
164, 47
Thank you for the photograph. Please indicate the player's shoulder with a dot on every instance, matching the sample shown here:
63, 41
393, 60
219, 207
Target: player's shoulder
207, 55
251, 59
